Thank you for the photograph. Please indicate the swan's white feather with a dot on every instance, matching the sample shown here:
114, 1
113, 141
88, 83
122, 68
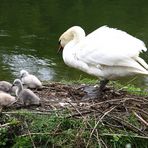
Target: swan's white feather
109, 46
106, 52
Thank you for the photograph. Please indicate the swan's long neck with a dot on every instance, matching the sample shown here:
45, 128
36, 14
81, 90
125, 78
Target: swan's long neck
78, 34
19, 89
74, 35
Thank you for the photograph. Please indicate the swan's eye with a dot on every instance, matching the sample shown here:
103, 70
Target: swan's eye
59, 42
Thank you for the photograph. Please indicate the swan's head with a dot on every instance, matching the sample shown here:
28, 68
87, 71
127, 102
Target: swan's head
23, 73
75, 32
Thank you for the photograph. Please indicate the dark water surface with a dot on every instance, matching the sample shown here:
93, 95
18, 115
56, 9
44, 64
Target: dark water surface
29, 32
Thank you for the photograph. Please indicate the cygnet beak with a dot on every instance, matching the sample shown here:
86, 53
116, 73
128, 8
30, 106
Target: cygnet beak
10, 90
12, 86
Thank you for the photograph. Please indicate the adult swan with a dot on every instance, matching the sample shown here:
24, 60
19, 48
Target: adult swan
107, 53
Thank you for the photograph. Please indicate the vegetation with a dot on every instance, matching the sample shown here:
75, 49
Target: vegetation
58, 130
71, 127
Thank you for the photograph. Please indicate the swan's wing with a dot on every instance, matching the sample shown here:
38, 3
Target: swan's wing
109, 46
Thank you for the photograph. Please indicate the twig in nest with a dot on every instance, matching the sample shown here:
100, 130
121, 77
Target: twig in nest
106, 101
78, 114
113, 126
30, 135
57, 127
98, 123
97, 134
121, 135
115, 100
40, 113
138, 109
81, 131
145, 100
140, 118
1, 109
71, 94
103, 143
128, 125
124, 123
5, 125
75, 109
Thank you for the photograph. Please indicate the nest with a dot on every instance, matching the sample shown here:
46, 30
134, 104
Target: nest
112, 110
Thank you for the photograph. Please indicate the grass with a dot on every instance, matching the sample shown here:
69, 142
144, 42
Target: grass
132, 89
80, 81
22, 128
56, 130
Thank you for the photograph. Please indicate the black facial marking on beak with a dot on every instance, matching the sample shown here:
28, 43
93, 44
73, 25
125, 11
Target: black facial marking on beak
60, 47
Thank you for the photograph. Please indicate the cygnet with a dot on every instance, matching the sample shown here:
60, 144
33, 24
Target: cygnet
30, 80
24, 95
5, 86
6, 99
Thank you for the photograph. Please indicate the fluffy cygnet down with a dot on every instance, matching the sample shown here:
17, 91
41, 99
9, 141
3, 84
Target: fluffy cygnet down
30, 80
25, 96
6, 99
6, 87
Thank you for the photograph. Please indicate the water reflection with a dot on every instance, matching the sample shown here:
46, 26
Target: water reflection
42, 68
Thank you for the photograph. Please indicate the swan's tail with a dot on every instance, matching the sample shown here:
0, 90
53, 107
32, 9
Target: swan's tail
142, 63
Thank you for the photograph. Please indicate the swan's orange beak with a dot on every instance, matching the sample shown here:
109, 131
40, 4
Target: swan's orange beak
60, 48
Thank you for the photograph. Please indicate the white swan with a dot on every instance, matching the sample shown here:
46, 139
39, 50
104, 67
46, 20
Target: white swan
107, 53
30, 80
26, 96
6, 99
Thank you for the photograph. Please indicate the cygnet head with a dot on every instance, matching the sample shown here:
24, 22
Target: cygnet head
17, 82
23, 73
74, 32
19, 86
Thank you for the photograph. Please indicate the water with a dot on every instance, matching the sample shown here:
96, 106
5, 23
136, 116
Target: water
29, 32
